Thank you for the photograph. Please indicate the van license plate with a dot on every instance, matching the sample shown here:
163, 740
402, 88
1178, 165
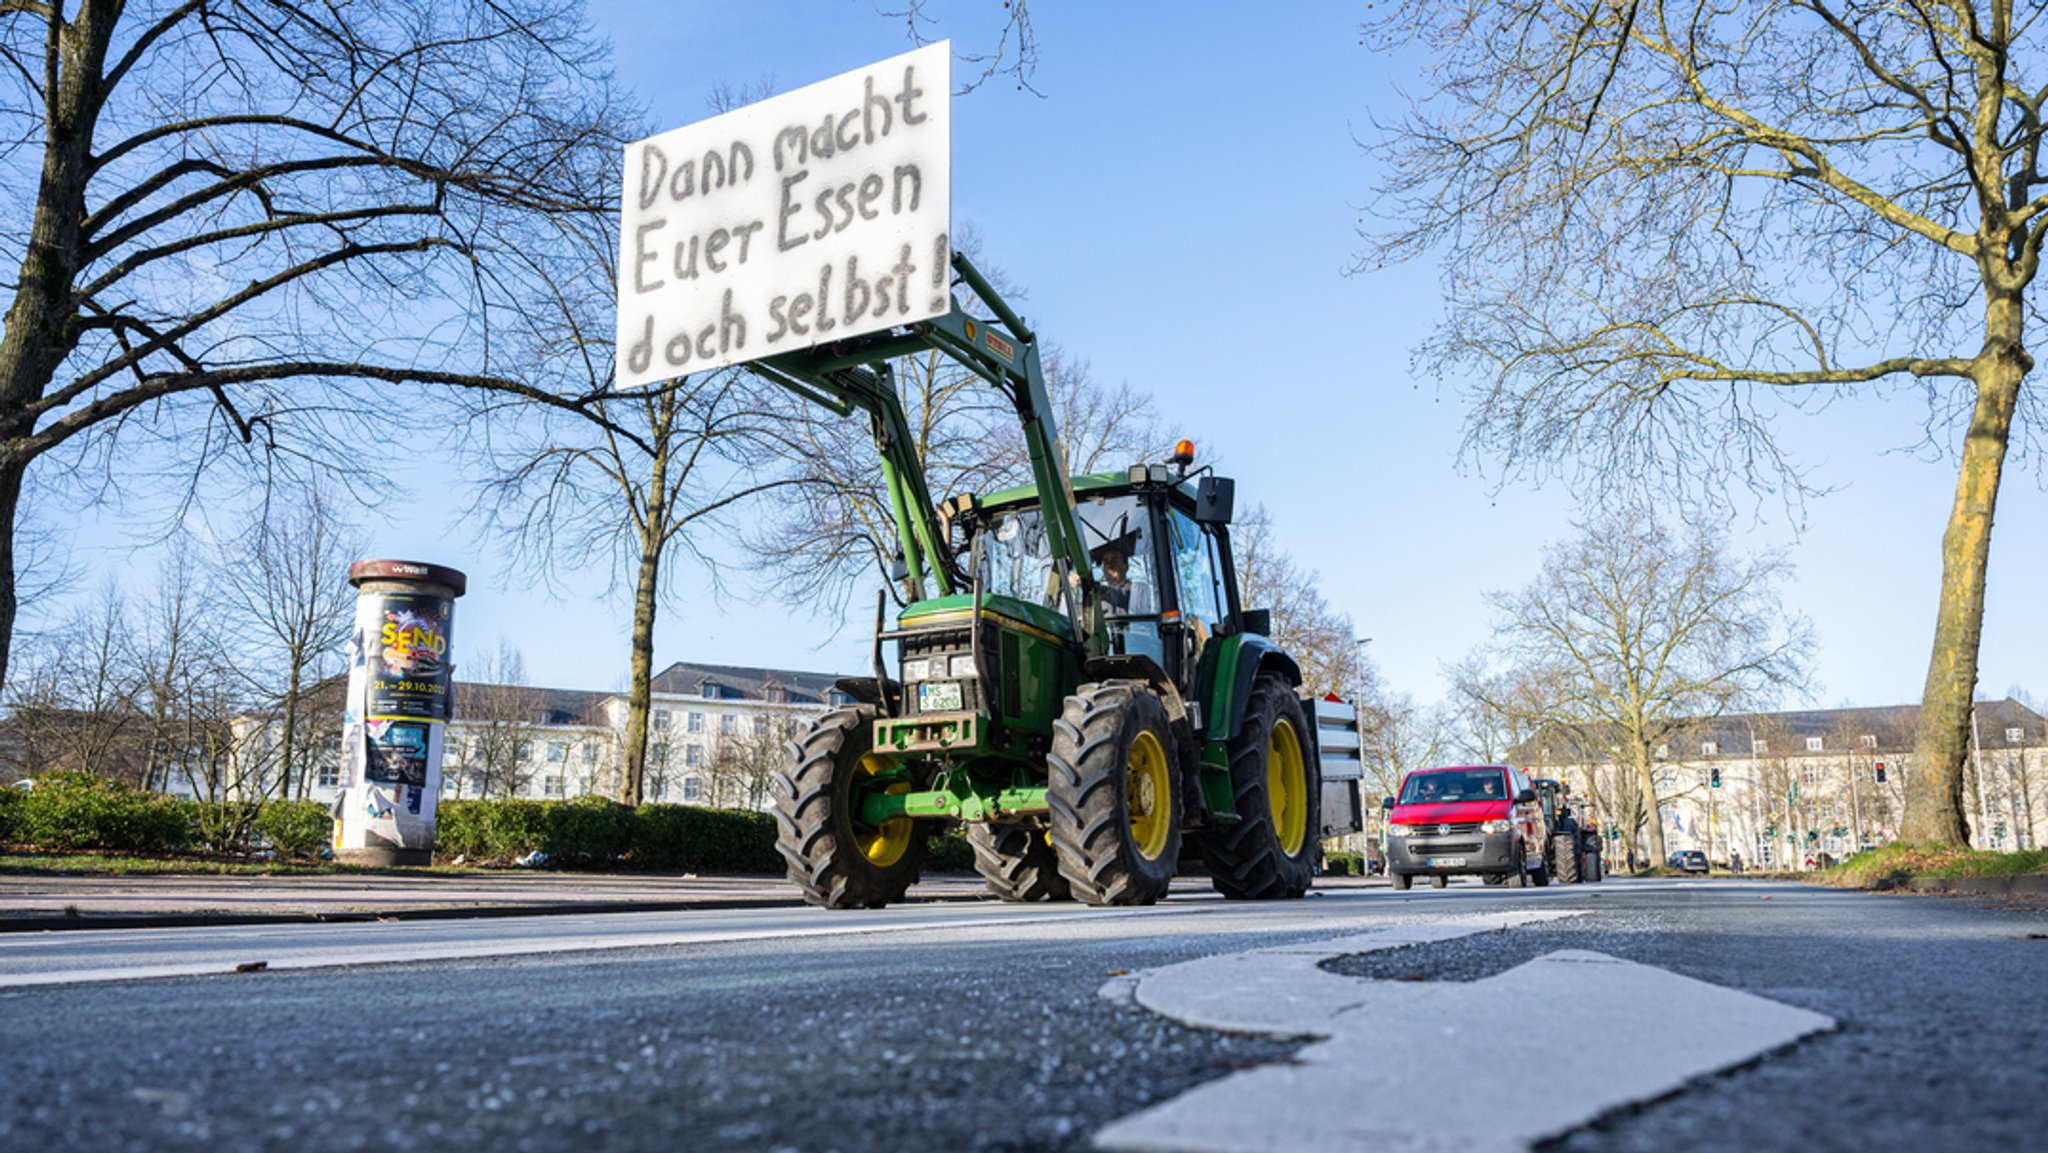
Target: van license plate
942, 697
1443, 862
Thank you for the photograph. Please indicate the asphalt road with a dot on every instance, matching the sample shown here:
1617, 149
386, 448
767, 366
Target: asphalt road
960, 1026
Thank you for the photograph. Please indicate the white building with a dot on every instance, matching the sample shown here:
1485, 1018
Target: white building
1779, 788
715, 732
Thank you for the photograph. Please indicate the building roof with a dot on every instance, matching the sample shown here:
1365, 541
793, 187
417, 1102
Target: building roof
529, 704
743, 682
1892, 726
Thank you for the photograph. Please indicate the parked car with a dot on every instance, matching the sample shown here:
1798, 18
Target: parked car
1480, 820
1689, 861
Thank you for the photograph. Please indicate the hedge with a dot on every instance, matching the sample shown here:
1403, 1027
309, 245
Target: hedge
296, 828
68, 811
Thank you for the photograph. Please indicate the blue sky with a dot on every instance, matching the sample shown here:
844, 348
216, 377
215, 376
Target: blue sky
1180, 206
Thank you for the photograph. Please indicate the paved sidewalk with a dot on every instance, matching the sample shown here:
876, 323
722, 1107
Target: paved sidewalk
32, 902
46, 901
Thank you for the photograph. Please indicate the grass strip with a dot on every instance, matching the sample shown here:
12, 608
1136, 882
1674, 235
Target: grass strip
1896, 865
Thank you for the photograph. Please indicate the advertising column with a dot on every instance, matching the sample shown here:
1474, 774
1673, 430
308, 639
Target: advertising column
401, 688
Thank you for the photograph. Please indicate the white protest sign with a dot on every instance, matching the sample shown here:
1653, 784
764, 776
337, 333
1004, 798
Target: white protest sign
807, 218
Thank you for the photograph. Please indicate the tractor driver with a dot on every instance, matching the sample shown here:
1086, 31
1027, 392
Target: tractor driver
1120, 596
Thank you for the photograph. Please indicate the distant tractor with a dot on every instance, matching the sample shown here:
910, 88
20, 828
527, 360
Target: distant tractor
1083, 692
1574, 850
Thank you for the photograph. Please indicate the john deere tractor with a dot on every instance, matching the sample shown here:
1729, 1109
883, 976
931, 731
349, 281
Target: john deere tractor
1075, 681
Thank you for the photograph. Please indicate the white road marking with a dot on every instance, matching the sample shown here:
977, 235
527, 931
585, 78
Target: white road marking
1400, 1060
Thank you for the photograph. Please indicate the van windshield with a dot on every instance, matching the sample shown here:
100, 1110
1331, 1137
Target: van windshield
1454, 785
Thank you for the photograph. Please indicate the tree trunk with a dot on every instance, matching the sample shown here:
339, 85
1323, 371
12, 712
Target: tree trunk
1646, 781
11, 471
41, 322
633, 765
288, 759
1935, 812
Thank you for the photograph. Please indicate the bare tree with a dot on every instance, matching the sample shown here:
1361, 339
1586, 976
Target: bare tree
1666, 224
742, 764
78, 703
1400, 737
498, 717
284, 585
630, 487
1628, 634
1311, 630
231, 214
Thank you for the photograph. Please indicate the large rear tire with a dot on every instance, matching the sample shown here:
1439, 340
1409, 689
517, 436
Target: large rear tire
1564, 858
1277, 792
837, 861
1017, 862
1115, 807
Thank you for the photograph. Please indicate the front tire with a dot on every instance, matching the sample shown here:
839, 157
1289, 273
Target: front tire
1564, 858
1115, 807
1017, 862
1438, 881
1270, 852
1402, 881
837, 861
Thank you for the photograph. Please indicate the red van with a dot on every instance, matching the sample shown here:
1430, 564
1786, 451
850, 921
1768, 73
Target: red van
1479, 819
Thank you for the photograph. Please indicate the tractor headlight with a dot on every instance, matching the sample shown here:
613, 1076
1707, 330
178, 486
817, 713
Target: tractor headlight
916, 670
1500, 826
962, 665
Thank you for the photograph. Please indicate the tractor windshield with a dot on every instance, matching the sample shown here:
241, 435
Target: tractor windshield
1016, 561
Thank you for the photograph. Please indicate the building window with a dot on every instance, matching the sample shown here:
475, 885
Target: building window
589, 751
1760, 746
1869, 741
837, 698
1813, 744
1663, 752
693, 755
693, 789
710, 692
760, 726
661, 719
728, 724
330, 776
523, 750
1709, 748
2014, 736
696, 722
552, 786
659, 789
558, 751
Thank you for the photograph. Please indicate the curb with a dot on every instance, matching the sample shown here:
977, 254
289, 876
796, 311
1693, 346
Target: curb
2015, 885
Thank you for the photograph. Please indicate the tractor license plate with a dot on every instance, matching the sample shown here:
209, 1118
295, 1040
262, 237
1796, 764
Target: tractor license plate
943, 697
1443, 862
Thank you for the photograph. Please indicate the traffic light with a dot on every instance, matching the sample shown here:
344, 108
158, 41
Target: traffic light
1880, 772
1714, 777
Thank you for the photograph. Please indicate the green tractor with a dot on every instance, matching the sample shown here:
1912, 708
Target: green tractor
1076, 682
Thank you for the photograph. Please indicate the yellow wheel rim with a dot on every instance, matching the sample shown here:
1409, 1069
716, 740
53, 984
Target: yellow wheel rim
1148, 794
886, 845
1287, 787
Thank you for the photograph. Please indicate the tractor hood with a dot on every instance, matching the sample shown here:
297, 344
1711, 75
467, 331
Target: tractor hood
954, 612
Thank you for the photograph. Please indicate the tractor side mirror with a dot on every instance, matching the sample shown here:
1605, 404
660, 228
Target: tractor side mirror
1525, 796
1214, 498
1258, 621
